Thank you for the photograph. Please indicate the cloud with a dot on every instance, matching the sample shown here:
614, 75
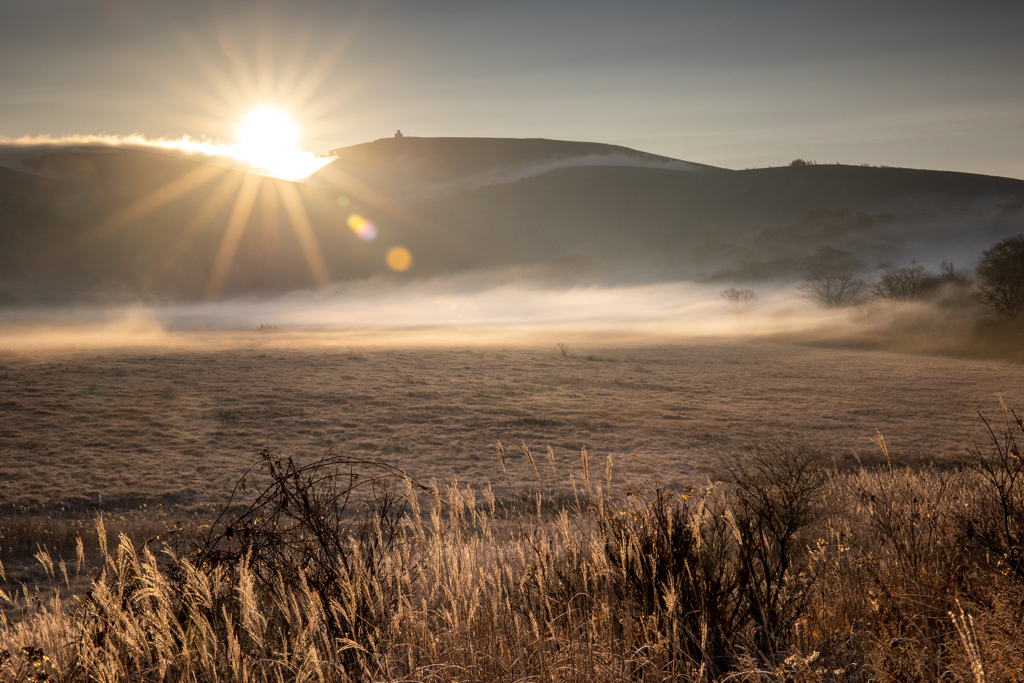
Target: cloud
296, 165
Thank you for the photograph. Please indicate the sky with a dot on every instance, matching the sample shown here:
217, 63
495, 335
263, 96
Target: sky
731, 83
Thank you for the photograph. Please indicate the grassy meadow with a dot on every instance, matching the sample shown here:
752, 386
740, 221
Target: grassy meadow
592, 510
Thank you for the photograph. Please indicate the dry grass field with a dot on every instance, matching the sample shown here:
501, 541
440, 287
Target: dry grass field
172, 427
756, 528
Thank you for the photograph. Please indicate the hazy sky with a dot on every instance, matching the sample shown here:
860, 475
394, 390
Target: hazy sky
739, 84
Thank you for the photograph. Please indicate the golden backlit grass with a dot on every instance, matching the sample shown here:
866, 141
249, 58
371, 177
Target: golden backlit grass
828, 553
786, 569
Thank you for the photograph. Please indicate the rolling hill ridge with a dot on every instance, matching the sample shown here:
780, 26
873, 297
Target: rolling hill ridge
110, 221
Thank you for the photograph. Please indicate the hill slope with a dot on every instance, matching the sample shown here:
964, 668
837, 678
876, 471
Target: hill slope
680, 224
408, 168
154, 225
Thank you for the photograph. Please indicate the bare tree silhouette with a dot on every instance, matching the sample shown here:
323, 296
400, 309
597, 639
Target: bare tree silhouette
831, 277
905, 284
1001, 277
739, 301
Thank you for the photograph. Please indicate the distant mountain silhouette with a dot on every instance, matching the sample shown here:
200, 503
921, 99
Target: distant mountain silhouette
97, 221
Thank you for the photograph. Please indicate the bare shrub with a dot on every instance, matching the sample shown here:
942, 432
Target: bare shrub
563, 349
831, 277
787, 570
1001, 277
916, 282
309, 567
992, 520
739, 301
865, 312
328, 524
674, 576
905, 284
777, 489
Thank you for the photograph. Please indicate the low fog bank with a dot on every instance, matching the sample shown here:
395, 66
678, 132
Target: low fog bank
21, 154
463, 311
449, 306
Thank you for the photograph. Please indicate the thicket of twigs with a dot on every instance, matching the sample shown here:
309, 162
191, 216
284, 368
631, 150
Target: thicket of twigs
343, 569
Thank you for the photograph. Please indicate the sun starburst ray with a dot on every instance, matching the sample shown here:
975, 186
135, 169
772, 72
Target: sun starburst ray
304, 232
156, 199
270, 202
294, 60
243, 74
305, 90
233, 235
203, 216
227, 90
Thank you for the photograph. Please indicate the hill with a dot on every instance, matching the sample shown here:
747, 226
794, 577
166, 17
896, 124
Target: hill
751, 224
123, 223
107, 221
410, 168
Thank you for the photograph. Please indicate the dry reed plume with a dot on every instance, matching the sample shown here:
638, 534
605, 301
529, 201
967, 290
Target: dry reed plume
344, 569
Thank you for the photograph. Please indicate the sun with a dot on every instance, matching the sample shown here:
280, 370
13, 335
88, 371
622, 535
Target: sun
267, 132
268, 138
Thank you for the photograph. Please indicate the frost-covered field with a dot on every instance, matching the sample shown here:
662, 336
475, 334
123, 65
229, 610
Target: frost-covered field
174, 425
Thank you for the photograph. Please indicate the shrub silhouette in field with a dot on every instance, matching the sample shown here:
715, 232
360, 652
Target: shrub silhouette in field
786, 569
831, 277
995, 525
708, 573
306, 574
739, 301
905, 284
776, 499
328, 524
1001, 277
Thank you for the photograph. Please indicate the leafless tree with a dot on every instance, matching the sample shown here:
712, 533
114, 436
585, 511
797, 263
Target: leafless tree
905, 284
831, 277
739, 301
1001, 277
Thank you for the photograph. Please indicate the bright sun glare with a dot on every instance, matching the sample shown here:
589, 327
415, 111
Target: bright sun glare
268, 133
269, 139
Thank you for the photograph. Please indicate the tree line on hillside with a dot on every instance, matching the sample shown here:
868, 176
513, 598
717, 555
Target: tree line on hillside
832, 278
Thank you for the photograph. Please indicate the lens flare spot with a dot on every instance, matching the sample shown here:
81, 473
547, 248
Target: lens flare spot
343, 200
399, 259
364, 229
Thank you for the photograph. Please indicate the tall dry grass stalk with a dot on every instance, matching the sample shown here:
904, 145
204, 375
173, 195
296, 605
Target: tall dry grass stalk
785, 570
